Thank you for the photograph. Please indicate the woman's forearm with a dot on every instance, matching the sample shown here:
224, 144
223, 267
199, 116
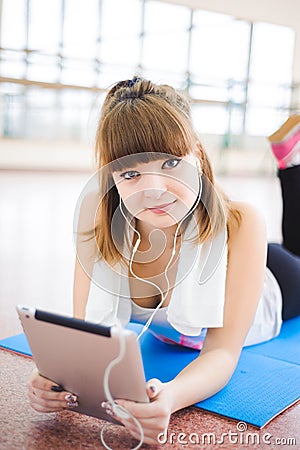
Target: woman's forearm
80, 291
202, 378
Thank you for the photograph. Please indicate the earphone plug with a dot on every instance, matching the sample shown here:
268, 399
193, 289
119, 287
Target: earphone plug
136, 246
120, 411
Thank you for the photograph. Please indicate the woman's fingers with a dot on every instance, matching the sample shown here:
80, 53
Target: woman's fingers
46, 396
154, 387
38, 381
50, 395
63, 398
153, 417
145, 410
44, 409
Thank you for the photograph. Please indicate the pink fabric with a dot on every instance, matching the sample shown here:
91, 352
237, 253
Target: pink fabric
184, 341
283, 148
188, 342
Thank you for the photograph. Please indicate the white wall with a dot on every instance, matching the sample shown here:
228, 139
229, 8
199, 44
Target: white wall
282, 12
26, 154
254, 159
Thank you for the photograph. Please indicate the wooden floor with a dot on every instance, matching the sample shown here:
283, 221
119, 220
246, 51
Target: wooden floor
36, 235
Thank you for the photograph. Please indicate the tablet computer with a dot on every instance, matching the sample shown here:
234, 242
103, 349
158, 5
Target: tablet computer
75, 354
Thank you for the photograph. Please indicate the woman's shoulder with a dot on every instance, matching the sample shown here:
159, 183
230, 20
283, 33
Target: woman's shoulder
247, 210
249, 229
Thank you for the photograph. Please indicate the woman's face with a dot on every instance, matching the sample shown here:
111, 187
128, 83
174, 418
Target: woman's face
159, 192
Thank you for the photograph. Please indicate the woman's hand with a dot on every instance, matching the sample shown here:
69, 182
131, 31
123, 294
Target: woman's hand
154, 417
46, 396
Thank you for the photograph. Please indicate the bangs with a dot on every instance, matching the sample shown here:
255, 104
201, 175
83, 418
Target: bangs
145, 127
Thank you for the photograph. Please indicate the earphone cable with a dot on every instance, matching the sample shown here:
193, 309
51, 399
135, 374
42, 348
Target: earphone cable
115, 407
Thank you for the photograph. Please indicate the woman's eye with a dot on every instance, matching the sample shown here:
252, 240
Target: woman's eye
130, 174
170, 163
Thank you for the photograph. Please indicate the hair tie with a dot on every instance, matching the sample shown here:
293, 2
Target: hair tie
124, 84
131, 83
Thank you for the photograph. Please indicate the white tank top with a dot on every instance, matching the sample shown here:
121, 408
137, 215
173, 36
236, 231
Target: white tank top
197, 300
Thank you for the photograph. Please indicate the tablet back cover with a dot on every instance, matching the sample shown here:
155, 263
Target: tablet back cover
77, 360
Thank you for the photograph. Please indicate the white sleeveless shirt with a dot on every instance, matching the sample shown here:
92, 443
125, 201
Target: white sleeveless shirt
197, 300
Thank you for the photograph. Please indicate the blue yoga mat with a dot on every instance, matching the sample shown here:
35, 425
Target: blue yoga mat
266, 380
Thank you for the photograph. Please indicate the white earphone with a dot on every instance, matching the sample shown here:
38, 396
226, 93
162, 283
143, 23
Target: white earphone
119, 410
136, 246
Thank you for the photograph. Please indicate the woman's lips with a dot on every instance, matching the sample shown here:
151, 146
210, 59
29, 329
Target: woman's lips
162, 209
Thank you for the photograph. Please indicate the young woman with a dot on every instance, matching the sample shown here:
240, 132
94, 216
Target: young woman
168, 249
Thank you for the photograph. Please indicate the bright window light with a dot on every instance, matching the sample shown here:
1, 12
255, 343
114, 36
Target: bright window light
219, 48
269, 90
238, 85
44, 26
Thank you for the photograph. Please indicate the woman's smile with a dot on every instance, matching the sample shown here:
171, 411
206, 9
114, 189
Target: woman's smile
162, 209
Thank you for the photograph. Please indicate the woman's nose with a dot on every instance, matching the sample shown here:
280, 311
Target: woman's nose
154, 193
154, 186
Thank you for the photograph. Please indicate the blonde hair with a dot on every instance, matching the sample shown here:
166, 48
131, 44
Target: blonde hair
140, 117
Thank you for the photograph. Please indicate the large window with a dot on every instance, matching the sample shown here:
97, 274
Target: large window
58, 57
269, 91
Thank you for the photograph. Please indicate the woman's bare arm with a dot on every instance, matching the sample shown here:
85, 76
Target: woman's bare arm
81, 288
211, 371
245, 275
85, 254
